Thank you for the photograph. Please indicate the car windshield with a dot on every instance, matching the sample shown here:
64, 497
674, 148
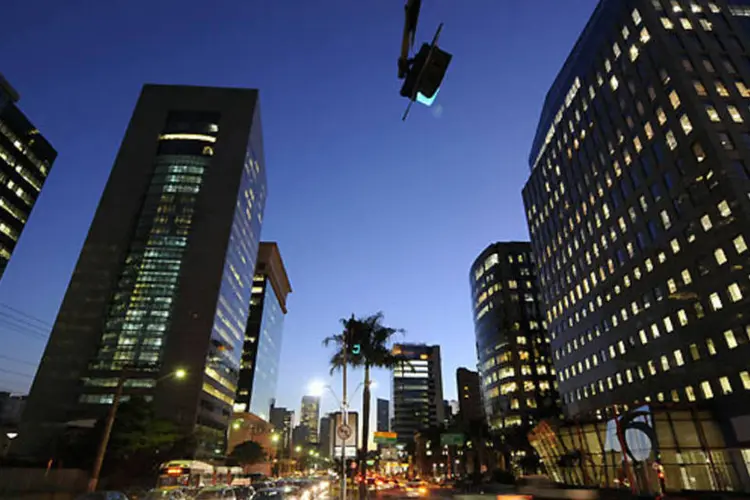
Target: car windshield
210, 494
268, 495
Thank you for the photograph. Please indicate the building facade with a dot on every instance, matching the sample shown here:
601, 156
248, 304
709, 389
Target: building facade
310, 417
163, 282
383, 415
515, 366
638, 211
416, 390
471, 410
250, 427
325, 445
25, 162
283, 421
259, 368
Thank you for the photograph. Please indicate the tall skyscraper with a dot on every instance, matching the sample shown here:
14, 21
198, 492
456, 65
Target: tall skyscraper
638, 211
283, 421
382, 421
417, 390
164, 278
25, 161
326, 436
256, 389
469, 397
310, 416
515, 366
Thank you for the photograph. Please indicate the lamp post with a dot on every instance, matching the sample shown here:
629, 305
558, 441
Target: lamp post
102, 450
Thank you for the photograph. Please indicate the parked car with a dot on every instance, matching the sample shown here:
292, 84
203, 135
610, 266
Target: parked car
103, 495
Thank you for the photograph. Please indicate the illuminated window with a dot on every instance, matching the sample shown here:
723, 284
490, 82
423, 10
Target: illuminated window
706, 222
715, 301
721, 89
694, 352
671, 140
739, 244
742, 89
613, 82
687, 127
713, 115
724, 209
730, 338
708, 393
679, 360
649, 130
686, 24
690, 393
735, 114
645, 36
735, 294
745, 377
633, 52
682, 317
714, 8
726, 387
720, 256
674, 99
686, 278
667, 23
661, 116
699, 88
711, 347
636, 17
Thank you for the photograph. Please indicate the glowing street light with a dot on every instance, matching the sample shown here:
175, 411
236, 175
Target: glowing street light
274, 438
178, 374
316, 388
298, 449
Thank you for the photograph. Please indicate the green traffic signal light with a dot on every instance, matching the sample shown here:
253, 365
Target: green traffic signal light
356, 348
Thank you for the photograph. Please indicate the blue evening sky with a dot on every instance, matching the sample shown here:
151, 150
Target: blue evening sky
369, 213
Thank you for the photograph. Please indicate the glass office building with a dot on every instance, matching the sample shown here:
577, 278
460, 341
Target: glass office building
416, 390
515, 367
638, 209
262, 340
164, 279
25, 162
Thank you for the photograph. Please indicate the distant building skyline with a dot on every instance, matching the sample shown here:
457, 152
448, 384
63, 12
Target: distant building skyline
26, 158
383, 415
309, 417
471, 406
416, 390
159, 284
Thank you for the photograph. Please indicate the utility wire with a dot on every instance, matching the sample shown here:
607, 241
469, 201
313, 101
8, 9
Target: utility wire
26, 315
18, 374
16, 360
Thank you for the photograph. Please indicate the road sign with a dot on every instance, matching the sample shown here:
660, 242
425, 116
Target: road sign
344, 432
385, 437
452, 439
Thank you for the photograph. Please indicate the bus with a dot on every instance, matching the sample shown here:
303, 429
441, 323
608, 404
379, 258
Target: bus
188, 473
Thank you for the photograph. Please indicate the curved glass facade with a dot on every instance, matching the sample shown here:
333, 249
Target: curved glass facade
516, 375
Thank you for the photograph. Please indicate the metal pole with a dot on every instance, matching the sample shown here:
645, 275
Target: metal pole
99, 460
344, 421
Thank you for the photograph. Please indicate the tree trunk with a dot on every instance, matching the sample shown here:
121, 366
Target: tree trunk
363, 490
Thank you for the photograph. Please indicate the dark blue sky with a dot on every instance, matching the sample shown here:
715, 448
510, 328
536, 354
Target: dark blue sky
370, 213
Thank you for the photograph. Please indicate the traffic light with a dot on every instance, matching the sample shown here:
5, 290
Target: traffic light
426, 73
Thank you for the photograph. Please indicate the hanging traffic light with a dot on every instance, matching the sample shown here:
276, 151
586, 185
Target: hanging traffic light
425, 72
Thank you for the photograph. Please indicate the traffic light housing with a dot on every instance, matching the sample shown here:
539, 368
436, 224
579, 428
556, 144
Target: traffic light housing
427, 71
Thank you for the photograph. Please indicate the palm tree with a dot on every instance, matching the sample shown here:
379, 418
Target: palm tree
374, 340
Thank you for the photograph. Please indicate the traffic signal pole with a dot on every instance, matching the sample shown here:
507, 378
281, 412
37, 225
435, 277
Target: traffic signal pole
344, 415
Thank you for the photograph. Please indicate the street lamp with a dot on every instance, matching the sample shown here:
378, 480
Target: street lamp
274, 438
298, 449
178, 374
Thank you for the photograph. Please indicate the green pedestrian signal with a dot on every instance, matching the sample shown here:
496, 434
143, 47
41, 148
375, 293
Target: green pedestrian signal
356, 348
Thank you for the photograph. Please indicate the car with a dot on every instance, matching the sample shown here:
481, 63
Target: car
103, 495
216, 493
243, 492
165, 494
416, 489
273, 494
